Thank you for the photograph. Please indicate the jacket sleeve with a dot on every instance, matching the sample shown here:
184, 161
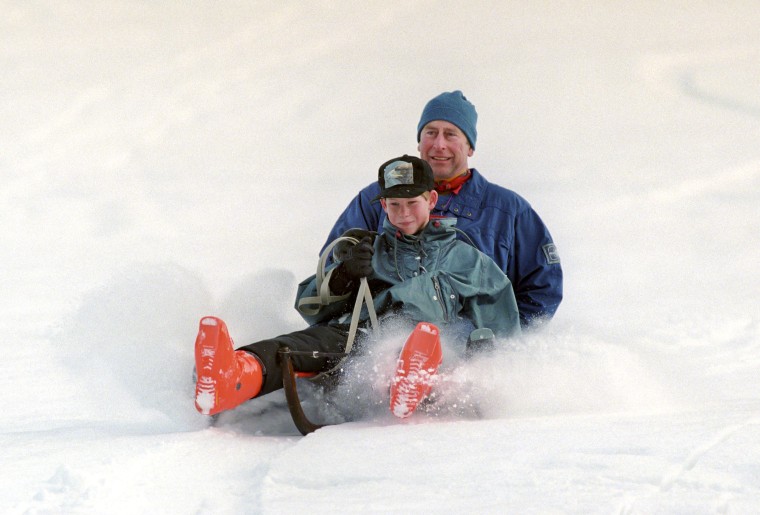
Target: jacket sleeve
360, 213
494, 305
536, 268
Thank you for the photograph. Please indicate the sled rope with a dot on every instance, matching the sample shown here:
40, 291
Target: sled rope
324, 298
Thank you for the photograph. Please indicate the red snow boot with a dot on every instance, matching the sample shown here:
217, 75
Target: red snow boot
416, 369
226, 377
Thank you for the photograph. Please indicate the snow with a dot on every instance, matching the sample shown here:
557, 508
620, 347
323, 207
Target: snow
166, 161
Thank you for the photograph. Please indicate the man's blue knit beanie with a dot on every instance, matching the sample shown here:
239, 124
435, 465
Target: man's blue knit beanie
452, 107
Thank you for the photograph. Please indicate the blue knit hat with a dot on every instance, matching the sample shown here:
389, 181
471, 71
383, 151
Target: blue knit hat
452, 107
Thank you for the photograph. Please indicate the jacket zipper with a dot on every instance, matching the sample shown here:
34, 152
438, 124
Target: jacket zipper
439, 293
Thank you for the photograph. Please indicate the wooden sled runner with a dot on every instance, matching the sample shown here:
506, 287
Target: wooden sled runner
289, 376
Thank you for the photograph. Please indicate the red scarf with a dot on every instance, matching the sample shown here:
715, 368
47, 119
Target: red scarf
453, 185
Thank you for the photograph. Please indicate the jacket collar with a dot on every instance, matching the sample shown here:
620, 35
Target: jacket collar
467, 202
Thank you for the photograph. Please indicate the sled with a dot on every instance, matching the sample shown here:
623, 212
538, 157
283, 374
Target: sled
415, 373
311, 306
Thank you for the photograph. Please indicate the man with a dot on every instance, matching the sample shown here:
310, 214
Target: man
494, 219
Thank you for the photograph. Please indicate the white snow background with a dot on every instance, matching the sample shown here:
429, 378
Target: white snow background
162, 161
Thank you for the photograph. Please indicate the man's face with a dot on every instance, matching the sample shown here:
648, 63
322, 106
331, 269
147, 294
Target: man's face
445, 147
409, 215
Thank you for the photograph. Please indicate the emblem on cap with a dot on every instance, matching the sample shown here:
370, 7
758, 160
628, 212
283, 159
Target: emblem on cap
399, 172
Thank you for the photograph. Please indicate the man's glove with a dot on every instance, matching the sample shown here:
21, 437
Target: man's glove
341, 249
357, 263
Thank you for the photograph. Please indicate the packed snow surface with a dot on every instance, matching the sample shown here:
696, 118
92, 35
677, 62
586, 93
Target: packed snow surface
164, 161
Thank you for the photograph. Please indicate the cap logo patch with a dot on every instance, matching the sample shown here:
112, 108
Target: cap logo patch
399, 172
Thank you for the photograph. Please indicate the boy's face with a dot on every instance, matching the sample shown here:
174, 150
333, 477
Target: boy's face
410, 215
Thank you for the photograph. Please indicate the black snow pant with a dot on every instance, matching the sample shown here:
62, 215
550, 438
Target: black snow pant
315, 338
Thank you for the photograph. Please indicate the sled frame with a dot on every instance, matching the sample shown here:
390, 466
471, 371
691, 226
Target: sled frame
289, 376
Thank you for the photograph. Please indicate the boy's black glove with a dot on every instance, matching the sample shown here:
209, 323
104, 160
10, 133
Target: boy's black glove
341, 249
357, 263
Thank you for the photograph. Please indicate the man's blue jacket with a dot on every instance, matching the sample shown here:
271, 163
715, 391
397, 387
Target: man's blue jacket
497, 221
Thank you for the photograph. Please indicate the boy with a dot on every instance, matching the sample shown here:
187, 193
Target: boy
416, 269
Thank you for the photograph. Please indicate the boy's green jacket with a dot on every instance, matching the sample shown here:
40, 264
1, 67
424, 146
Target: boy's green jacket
429, 277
